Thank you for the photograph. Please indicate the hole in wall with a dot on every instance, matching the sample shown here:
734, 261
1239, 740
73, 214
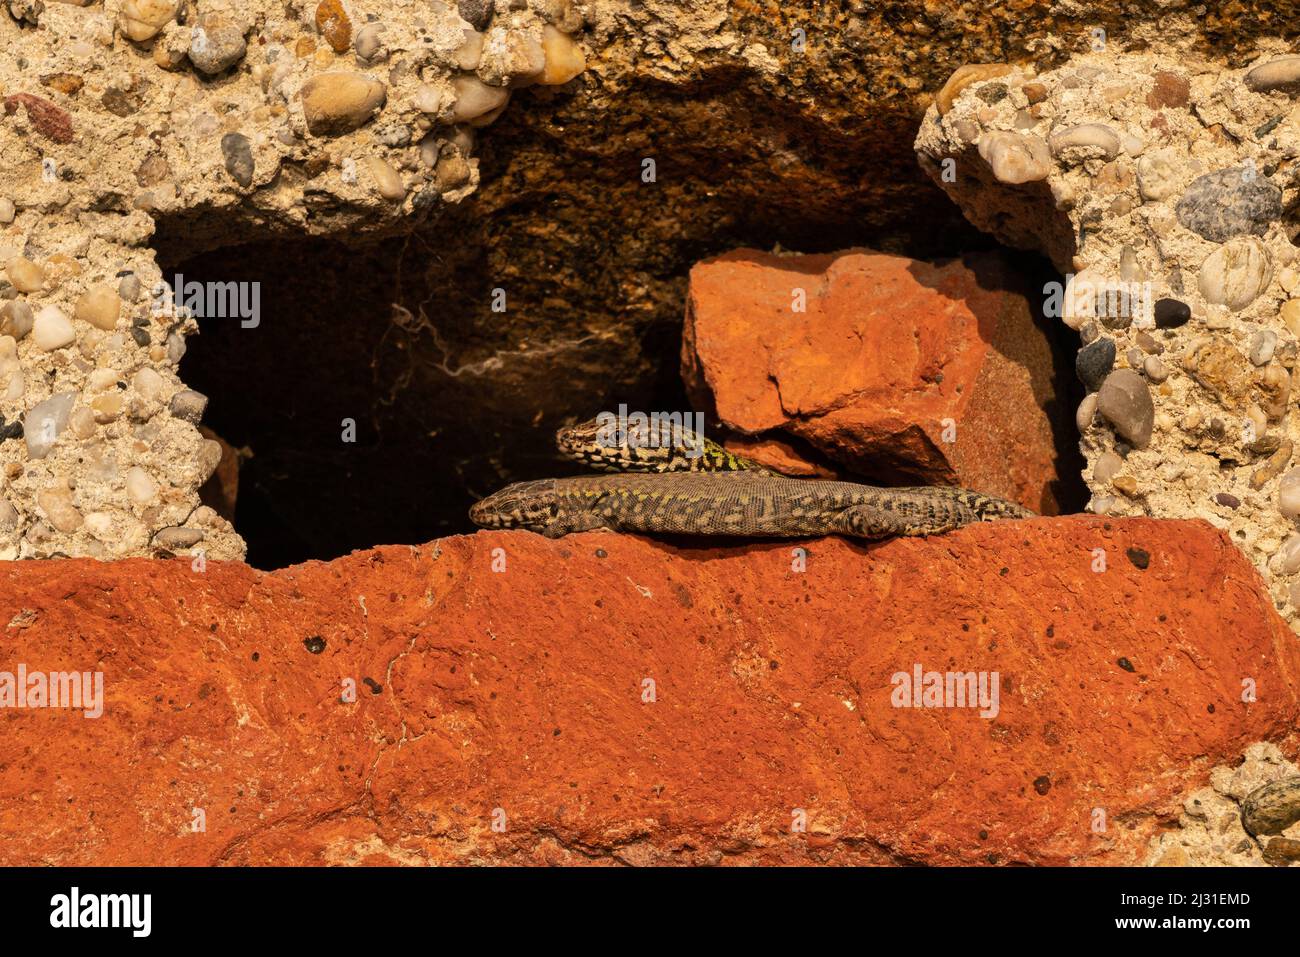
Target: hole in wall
425, 401
452, 400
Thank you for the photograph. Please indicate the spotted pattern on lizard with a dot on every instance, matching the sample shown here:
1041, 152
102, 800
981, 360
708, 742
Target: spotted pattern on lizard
734, 504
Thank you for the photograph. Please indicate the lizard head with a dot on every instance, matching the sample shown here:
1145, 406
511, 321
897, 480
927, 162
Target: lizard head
531, 505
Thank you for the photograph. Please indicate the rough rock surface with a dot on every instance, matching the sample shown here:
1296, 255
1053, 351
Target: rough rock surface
519, 697
921, 373
222, 118
1163, 202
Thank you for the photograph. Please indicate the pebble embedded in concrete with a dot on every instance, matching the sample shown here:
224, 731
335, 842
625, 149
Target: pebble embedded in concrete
1229, 202
238, 154
335, 103
1014, 158
1125, 401
45, 421
52, 329
1094, 362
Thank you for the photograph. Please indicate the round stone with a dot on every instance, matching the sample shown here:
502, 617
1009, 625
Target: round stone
474, 98
1154, 369
1124, 400
477, 13
1229, 202
46, 420
387, 181
1236, 273
470, 53
1273, 807
1085, 141
216, 44
368, 42
1157, 176
140, 487
16, 319
141, 20
1107, 466
1288, 494
1288, 556
335, 103
1087, 411
1171, 313
178, 536
1282, 74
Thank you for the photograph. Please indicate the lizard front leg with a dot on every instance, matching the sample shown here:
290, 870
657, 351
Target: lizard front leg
579, 520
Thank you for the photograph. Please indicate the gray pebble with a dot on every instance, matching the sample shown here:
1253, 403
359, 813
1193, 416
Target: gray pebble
238, 152
1273, 808
1148, 344
129, 288
1229, 202
1155, 369
1262, 346
1086, 412
1094, 362
368, 43
45, 421
189, 405
1107, 466
395, 136
216, 44
1125, 402
178, 536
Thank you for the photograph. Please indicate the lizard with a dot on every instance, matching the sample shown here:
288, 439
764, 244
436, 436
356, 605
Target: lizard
734, 504
585, 442
715, 492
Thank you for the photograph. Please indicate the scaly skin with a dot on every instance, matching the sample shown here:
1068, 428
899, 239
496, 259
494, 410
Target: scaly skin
582, 443
734, 503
